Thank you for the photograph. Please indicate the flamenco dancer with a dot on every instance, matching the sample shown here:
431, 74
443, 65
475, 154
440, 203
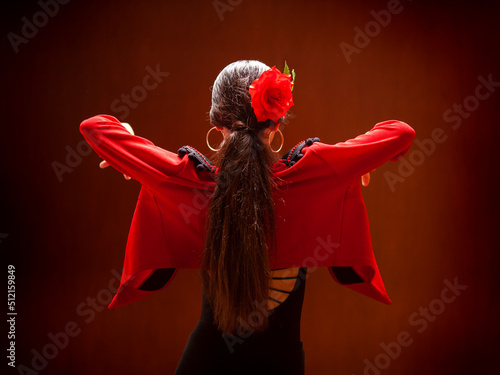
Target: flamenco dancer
252, 221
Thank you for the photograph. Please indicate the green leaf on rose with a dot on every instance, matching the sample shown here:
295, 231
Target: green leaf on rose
286, 70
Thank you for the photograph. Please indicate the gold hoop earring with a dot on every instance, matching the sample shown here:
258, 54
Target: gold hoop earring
271, 137
208, 143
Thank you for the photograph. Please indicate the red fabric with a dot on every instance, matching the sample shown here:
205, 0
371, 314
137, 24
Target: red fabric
321, 218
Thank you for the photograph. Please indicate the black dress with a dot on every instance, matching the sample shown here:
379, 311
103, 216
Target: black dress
278, 350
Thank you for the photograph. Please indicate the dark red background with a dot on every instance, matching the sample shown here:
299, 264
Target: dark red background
65, 238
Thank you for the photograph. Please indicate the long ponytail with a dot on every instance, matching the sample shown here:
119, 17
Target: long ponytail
241, 225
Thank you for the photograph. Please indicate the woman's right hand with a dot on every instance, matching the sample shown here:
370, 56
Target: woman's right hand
104, 164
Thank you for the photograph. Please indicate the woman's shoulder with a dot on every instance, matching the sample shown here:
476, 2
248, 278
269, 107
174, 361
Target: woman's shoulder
295, 153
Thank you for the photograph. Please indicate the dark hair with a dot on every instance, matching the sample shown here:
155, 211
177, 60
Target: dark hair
241, 226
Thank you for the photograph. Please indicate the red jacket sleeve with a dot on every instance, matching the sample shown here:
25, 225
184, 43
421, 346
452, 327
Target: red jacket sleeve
388, 140
132, 155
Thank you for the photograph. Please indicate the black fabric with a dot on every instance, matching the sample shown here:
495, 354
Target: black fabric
200, 161
158, 279
295, 153
278, 350
346, 275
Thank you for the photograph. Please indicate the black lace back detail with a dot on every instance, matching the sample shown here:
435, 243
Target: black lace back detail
200, 161
295, 154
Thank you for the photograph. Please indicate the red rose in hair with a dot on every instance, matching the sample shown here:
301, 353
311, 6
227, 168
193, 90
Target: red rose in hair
271, 95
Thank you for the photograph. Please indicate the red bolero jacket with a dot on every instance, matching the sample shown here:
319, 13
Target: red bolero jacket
321, 218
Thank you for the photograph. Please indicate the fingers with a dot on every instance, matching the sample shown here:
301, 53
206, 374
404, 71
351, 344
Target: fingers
104, 164
365, 179
128, 127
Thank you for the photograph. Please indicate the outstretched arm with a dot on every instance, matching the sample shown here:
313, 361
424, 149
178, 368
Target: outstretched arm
388, 140
104, 164
131, 155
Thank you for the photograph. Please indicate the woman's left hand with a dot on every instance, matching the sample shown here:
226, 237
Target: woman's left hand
365, 179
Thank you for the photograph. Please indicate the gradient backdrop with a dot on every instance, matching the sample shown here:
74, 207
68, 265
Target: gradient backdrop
433, 215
